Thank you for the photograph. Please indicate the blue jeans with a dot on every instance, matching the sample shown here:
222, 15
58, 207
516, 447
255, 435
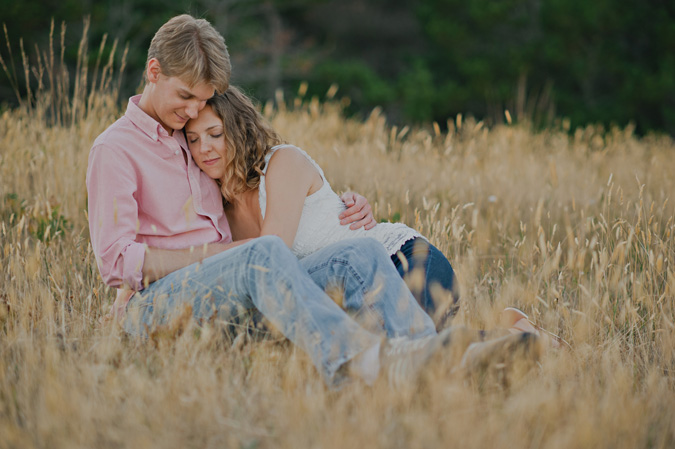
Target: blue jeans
436, 269
265, 275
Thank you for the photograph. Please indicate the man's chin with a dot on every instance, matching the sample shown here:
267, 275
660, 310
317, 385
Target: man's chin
177, 125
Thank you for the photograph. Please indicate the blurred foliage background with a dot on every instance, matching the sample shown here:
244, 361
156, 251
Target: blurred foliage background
597, 61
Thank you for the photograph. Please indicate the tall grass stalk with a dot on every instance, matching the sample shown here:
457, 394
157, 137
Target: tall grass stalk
46, 90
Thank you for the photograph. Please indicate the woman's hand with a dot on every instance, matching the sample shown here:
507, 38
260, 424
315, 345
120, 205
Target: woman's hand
358, 213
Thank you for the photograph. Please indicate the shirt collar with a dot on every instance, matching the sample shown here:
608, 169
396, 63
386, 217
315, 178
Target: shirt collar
142, 120
179, 135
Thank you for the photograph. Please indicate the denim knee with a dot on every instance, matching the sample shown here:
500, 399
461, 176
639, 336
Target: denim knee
268, 242
368, 247
271, 247
421, 254
367, 256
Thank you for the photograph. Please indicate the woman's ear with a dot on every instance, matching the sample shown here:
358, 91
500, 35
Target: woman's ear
153, 70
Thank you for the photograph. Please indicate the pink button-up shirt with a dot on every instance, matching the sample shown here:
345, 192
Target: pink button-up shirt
142, 194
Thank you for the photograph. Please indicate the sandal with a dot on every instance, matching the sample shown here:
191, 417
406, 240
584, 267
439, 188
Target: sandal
516, 321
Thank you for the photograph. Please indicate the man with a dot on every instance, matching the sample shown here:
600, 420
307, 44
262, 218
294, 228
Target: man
157, 226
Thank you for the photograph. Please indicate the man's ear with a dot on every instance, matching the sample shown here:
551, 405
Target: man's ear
153, 70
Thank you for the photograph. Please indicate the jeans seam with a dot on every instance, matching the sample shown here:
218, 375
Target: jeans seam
342, 262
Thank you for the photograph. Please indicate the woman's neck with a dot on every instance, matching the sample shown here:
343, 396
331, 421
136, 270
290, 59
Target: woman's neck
243, 198
243, 215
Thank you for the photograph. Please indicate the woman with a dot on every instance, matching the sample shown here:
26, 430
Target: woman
272, 188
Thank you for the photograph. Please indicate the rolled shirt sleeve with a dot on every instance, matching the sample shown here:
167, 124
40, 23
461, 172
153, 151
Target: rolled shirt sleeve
113, 217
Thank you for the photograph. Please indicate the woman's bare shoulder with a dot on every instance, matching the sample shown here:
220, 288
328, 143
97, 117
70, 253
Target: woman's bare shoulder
287, 153
289, 165
290, 159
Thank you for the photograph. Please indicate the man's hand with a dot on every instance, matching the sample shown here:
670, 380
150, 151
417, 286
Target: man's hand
358, 213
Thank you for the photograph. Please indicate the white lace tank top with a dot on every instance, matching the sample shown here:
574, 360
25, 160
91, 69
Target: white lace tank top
319, 223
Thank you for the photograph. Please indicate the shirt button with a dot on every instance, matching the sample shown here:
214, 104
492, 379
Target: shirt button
176, 153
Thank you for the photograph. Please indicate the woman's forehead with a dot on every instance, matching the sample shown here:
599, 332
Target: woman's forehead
206, 118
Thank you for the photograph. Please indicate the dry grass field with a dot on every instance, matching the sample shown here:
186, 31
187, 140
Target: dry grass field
576, 228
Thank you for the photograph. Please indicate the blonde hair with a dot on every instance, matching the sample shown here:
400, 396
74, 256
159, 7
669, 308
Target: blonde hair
248, 139
192, 50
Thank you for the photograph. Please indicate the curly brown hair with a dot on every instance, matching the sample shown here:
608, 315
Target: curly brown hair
248, 139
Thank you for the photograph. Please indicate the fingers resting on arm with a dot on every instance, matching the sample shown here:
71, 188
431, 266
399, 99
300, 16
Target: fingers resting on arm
358, 213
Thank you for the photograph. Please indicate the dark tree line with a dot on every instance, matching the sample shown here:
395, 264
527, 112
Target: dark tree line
598, 61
